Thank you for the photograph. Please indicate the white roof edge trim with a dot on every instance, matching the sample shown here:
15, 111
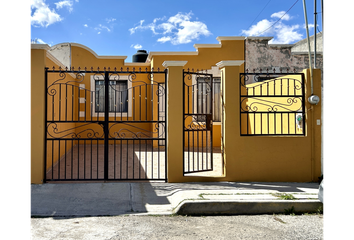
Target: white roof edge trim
56, 61
169, 53
217, 45
95, 54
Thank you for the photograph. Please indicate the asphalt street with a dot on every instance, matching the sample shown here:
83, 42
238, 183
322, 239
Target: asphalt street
180, 227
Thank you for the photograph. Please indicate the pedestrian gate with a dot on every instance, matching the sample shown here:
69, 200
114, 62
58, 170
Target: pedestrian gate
105, 125
197, 122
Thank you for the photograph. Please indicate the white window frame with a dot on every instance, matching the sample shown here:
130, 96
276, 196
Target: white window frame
112, 78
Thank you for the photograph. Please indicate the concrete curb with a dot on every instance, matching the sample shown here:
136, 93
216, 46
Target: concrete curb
224, 207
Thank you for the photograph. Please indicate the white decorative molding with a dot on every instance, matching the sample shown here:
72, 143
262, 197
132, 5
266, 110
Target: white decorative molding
260, 38
229, 38
40, 46
230, 63
196, 46
82, 100
57, 62
82, 114
174, 63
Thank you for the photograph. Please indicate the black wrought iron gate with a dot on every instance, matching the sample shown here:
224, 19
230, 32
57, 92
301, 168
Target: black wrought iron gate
105, 125
197, 120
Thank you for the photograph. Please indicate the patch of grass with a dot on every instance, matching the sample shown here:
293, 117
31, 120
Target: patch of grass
284, 196
290, 211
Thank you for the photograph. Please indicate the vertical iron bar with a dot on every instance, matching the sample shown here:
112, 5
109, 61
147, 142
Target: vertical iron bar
65, 161
158, 157
59, 101
165, 124
45, 122
52, 159
121, 106
127, 102
53, 106
140, 102
127, 161
114, 159
133, 89
268, 121
78, 103
85, 105
281, 87
121, 158
72, 102
58, 159
152, 103
72, 157
146, 106
91, 161
146, 158
303, 104
211, 127
106, 119
281, 122
91, 106
206, 148
152, 159
78, 159
115, 104
66, 101
183, 118
133, 156
85, 157
140, 159
158, 160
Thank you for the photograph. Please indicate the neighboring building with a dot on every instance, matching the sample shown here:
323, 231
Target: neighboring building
262, 55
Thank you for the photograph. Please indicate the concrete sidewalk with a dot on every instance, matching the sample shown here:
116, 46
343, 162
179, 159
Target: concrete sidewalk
216, 198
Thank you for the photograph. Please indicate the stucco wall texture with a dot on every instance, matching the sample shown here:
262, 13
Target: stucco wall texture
259, 54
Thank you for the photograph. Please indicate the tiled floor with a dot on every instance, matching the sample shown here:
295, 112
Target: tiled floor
126, 161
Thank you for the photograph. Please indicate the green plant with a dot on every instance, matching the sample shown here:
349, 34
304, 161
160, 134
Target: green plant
290, 211
284, 196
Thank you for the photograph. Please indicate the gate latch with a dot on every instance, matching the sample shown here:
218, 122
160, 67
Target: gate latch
209, 121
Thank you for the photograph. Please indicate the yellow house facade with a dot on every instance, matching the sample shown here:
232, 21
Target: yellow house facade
177, 117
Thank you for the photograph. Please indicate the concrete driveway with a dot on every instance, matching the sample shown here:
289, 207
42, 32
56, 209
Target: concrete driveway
119, 198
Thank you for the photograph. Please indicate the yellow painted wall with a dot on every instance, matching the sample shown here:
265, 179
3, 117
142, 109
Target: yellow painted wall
247, 158
38, 61
206, 58
265, 158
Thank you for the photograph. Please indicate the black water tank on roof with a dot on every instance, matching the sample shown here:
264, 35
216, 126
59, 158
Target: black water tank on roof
140, 56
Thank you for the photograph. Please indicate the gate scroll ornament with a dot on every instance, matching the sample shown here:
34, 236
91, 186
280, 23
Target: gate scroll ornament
270, 103
86, 127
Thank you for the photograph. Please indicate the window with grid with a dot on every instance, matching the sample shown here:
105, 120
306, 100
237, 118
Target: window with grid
204, 97
118, 96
